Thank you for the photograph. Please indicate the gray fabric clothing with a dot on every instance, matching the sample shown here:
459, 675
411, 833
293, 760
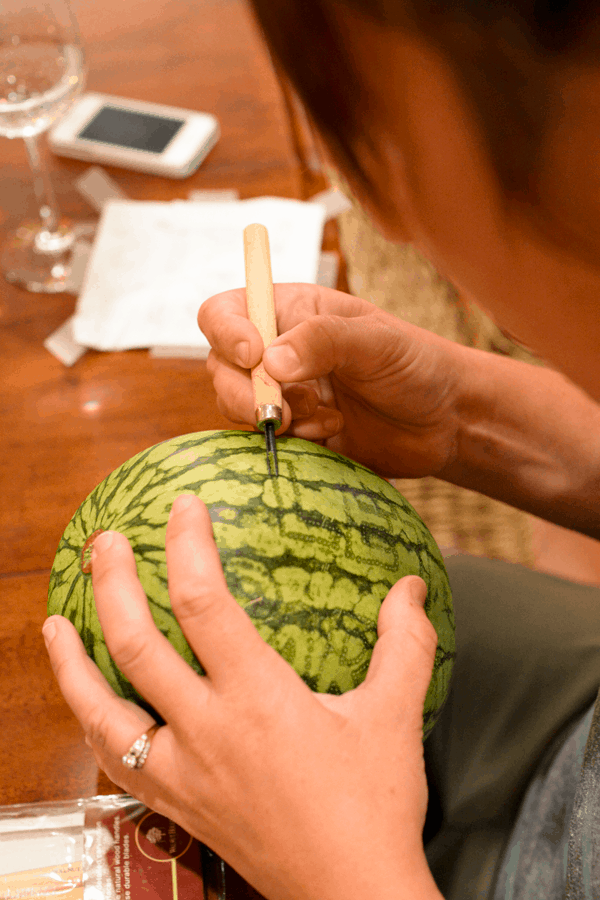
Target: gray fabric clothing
534, 863
583, 866
527, 670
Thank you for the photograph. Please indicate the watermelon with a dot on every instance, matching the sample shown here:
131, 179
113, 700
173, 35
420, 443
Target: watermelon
310, 555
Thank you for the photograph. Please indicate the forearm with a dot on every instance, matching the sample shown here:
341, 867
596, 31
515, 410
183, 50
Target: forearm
530, 438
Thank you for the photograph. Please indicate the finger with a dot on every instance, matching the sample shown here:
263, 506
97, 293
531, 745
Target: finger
303, 400
403, 656
234, 385
325, 423
374, 346
216, 627
297, 302
324, 344
224, 321
233, 388
302, 414
110, 723
235, 395
136, 645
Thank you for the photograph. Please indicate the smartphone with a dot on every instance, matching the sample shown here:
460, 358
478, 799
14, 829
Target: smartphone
149, 137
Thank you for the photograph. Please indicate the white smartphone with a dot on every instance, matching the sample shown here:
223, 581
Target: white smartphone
149, 137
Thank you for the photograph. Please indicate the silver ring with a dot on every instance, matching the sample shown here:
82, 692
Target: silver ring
137, 754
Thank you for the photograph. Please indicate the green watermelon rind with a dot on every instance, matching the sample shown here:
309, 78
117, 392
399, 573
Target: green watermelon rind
326, 625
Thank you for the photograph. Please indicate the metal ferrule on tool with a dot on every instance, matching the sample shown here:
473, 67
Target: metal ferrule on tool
268, 412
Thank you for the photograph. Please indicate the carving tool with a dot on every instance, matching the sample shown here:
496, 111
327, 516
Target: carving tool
261, 312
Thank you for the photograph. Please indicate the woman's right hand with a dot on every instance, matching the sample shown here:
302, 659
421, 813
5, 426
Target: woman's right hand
355, 378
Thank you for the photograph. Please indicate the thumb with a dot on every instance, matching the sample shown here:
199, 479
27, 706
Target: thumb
404, 654
323, 344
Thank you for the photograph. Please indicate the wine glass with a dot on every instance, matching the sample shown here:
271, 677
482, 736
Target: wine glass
41, 73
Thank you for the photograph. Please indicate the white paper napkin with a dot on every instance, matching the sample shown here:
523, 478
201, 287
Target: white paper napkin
153, 264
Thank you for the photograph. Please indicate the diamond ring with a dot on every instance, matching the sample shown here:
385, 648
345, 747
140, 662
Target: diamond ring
137, 754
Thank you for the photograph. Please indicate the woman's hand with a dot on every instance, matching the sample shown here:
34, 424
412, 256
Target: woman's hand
308, 796
355, 378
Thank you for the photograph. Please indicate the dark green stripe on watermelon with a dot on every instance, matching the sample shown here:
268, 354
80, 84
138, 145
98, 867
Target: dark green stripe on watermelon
310, 555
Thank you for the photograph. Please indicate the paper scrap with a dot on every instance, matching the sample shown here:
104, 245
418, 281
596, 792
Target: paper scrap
79, 260
63, 345
329, 267
333, 201
98, 187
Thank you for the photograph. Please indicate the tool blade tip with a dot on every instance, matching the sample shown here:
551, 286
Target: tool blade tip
272, 461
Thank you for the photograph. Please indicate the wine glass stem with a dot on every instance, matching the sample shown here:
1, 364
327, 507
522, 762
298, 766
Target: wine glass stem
44, 191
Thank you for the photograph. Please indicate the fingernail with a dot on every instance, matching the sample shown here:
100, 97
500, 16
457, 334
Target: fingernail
243, 354
102, 543
181, 503
284, 358
302, 407
49, 632
418, 591
331, 424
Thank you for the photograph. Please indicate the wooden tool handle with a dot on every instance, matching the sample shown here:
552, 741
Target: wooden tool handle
261, 312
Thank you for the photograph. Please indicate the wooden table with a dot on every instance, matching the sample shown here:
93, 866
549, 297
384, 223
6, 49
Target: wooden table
56, 443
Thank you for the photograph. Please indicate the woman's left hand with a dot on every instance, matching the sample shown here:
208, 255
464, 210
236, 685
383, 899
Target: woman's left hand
306, 795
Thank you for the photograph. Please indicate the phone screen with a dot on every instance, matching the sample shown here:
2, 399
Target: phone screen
128, 128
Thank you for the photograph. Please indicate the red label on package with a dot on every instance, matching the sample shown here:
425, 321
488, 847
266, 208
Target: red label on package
146, 856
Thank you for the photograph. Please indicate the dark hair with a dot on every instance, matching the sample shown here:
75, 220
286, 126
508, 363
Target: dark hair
505, 55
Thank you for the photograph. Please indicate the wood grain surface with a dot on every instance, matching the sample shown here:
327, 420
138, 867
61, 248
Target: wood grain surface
63, 430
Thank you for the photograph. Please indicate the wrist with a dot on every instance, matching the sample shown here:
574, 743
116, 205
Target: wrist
395, 875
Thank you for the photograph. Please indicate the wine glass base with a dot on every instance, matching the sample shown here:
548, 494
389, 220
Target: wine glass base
46, 272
